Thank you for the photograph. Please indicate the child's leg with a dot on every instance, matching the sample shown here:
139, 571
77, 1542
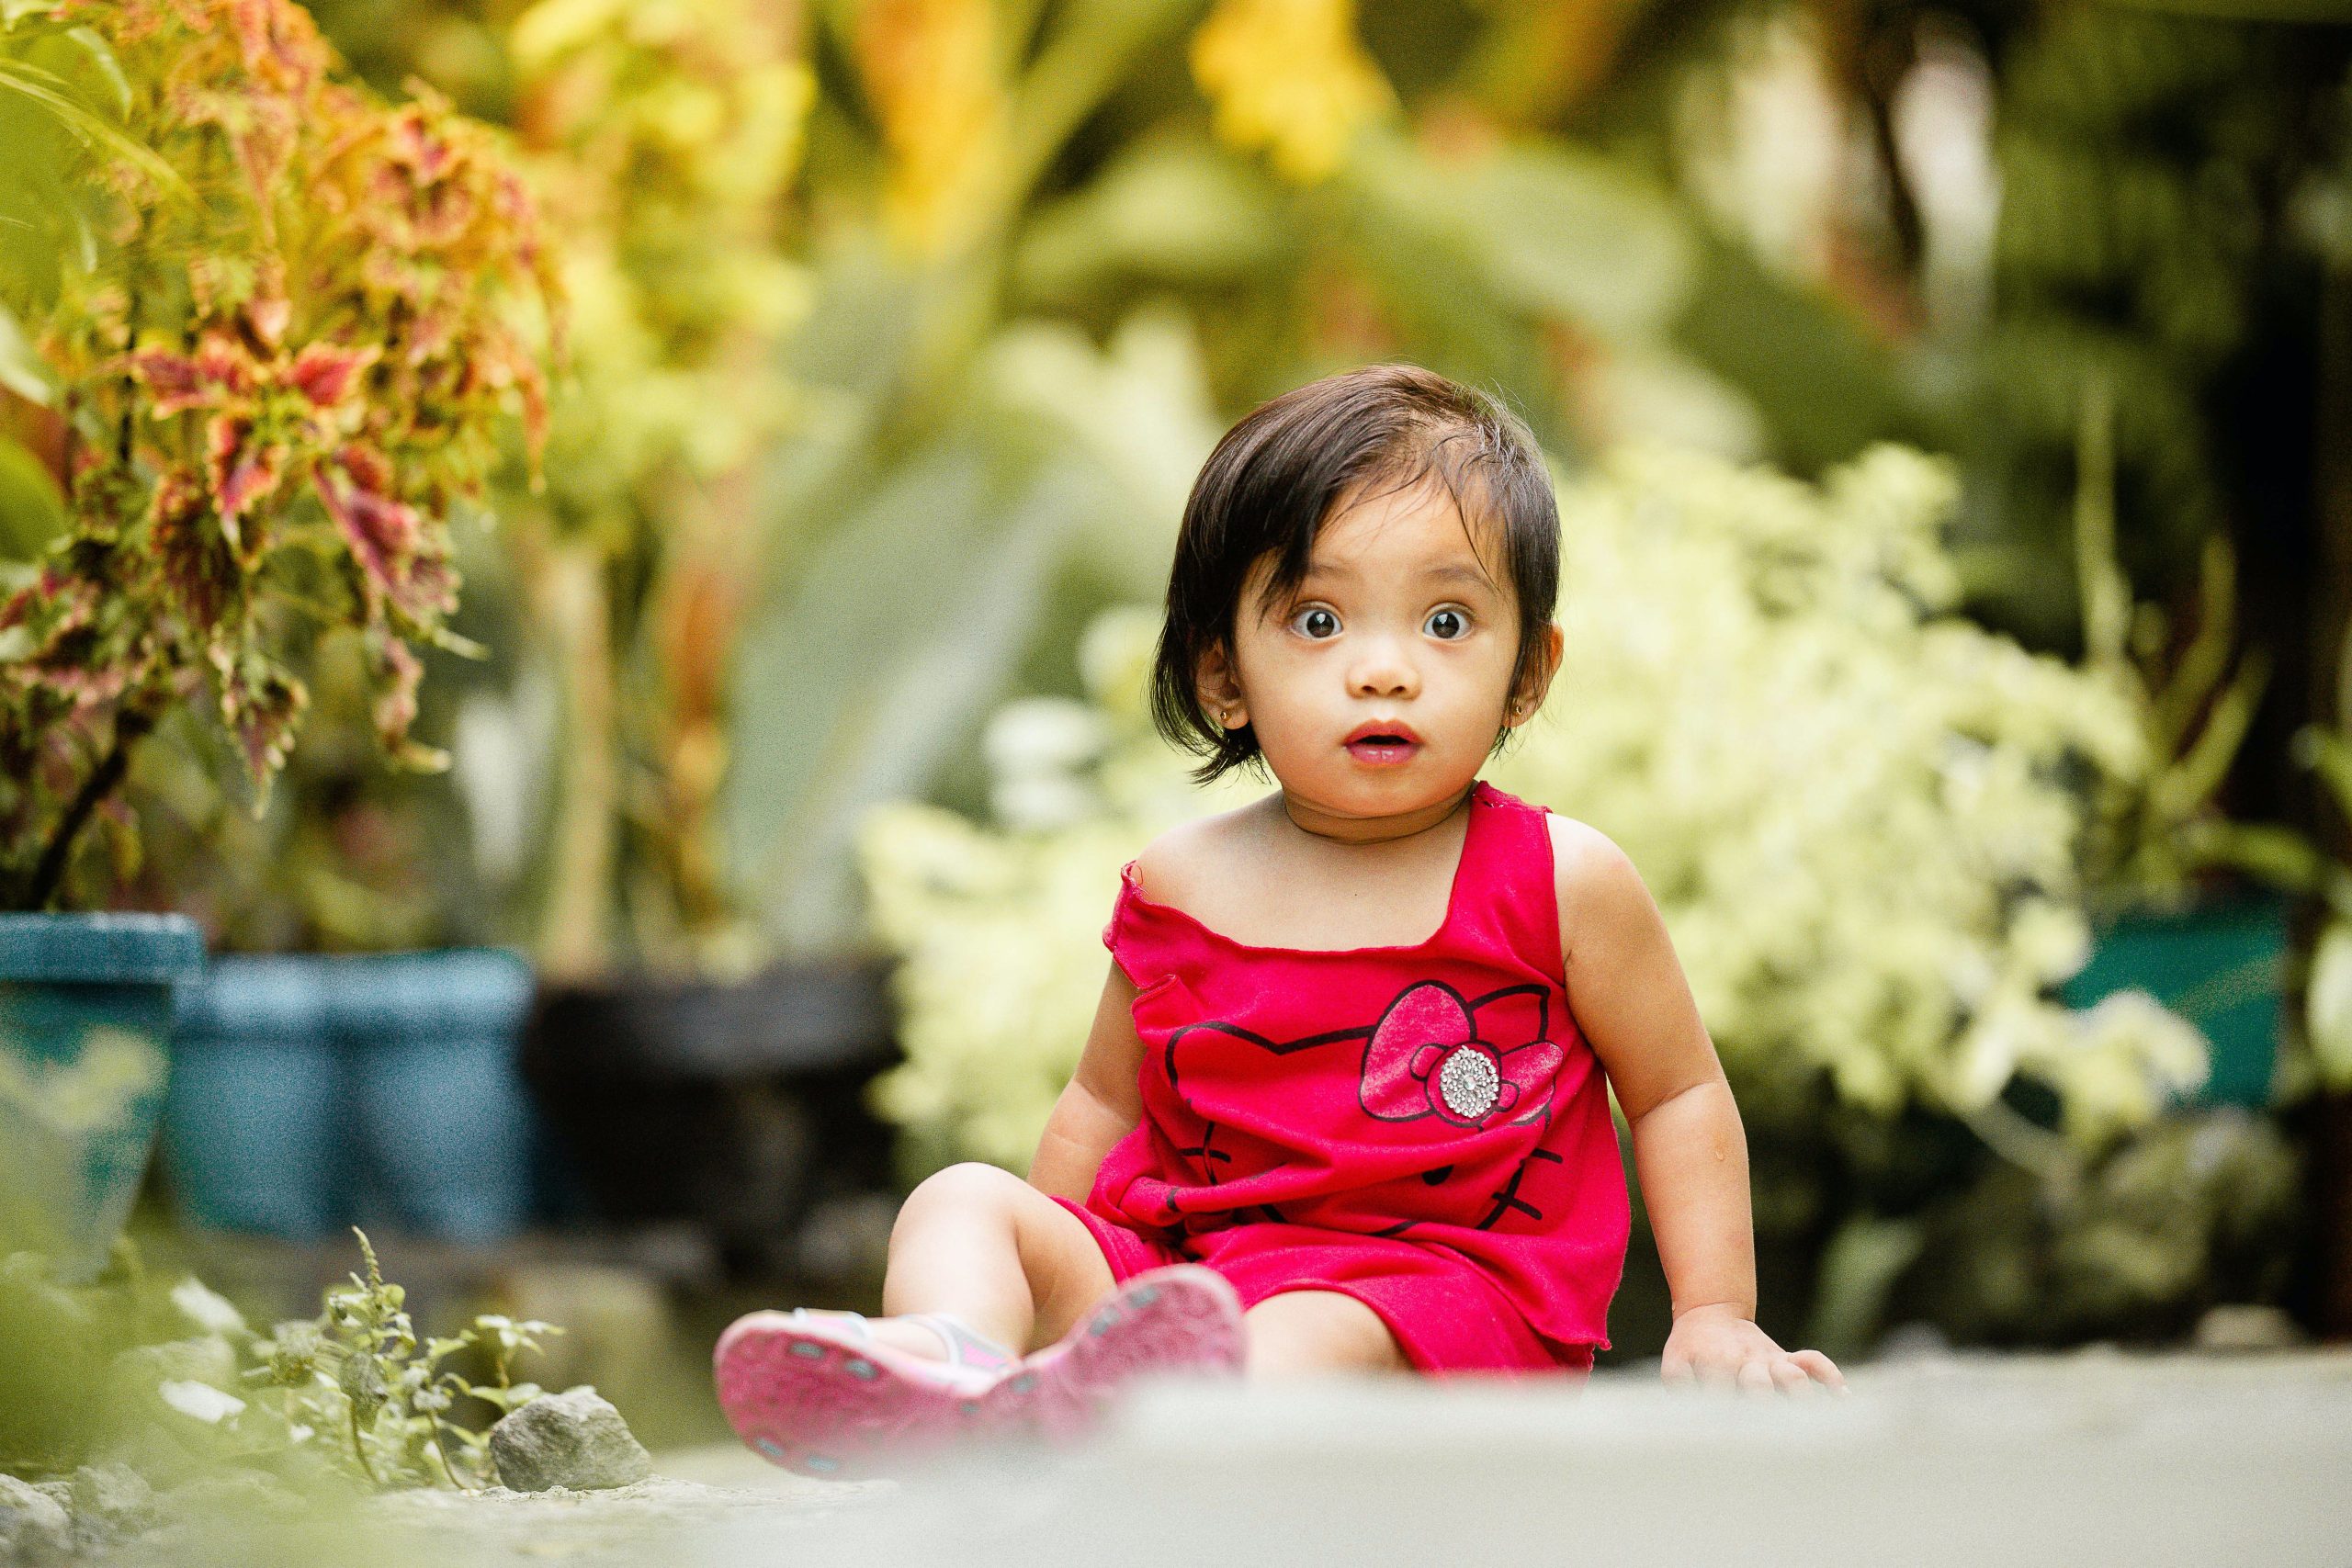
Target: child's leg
1319, 1331
982, 1244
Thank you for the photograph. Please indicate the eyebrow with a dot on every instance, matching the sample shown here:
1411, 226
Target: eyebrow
1453, 572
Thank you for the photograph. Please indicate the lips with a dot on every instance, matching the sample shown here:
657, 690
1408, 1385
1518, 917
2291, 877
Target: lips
1379, 742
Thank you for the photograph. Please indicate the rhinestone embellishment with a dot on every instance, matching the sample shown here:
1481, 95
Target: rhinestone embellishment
1469, 1084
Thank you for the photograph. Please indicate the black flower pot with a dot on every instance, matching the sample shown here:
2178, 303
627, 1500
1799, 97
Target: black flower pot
732, 1106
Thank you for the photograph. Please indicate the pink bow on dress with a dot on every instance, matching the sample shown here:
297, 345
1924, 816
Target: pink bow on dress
1425, 1059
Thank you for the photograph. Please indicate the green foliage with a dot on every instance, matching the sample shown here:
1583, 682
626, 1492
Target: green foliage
826, 401
2154, 838
2327, 1022
358, 1375
664, 140
2145, 160
283, 342
168, 1374
2187, 1212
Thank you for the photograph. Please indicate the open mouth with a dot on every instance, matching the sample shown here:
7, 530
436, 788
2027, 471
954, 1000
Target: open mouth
1382, 747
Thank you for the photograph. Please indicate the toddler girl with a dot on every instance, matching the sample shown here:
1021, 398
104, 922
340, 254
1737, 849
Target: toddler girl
1344, 1104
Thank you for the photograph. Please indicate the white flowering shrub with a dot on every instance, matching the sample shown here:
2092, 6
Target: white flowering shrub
1859, 813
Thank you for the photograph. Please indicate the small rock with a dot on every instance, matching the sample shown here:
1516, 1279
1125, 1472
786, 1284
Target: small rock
108, 1504
574, 1439
34, 1526
2249, 1325
114, 1492
1914, 1341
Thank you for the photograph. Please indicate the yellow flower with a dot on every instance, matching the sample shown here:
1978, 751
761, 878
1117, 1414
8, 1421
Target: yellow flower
1289, 76
931, 73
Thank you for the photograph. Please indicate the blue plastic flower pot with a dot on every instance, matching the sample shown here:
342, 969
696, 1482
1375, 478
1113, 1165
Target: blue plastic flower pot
430, 1044
254, 1127
2222, 966
86, 1016
315, 1092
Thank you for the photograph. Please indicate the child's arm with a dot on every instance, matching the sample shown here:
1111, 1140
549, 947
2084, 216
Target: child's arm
1099, 1104
1634, 1007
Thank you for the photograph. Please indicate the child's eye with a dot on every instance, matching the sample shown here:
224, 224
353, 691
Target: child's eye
1309, 618
1454, 619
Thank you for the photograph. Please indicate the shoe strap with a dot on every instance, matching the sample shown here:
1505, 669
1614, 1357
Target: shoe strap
966, 1346
855, 1322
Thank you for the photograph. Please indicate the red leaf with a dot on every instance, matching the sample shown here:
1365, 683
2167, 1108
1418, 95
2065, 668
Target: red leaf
241, 472
219, 372
171, 380
396, 705
325, 373
386, 536
197, 571
260, 704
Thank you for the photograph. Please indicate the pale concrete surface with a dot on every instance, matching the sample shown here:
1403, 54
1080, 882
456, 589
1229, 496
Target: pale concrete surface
2073, 1460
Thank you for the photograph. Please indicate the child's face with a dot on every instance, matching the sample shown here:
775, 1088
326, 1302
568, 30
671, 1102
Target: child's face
1397, 624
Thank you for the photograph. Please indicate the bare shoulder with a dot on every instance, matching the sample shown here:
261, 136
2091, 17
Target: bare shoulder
1594, 880
1177, 862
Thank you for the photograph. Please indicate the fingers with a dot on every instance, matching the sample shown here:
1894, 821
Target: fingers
1798, 1374
1819, 1367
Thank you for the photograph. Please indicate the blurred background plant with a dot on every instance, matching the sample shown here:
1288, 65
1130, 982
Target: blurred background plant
902, 313
267, 333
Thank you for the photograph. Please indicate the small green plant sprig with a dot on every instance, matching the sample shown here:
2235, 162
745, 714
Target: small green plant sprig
355, 1382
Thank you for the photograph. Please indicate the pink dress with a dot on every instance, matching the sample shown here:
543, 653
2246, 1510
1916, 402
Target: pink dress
1421, 1128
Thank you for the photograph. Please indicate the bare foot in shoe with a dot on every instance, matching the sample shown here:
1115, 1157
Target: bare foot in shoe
898, 1333
917, 1336
911, 1337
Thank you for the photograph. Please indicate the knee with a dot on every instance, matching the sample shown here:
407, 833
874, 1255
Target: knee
965, 1190
1300, 1332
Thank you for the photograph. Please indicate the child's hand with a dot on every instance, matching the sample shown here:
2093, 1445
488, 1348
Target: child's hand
1716, 1347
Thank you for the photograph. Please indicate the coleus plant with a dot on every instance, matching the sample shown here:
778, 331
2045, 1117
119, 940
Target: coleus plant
274, 357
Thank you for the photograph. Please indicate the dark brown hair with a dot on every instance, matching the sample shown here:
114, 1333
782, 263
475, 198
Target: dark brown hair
1269, 488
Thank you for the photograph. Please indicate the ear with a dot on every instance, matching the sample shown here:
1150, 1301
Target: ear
1219, 690
1538, 679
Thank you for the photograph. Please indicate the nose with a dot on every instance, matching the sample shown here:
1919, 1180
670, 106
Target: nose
1382, 670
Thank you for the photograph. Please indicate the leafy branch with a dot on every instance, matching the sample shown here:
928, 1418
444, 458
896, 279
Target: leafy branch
355, 1382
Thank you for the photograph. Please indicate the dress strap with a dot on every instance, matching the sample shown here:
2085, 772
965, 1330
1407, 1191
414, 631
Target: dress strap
1512, 879
1133, 935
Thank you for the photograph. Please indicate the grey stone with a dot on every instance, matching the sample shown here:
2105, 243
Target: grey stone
573, 1440
114, 1492
34, 1526
2249, 1326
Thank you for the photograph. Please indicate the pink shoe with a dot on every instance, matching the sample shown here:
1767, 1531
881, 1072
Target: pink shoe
820, 1395
1181, 1319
